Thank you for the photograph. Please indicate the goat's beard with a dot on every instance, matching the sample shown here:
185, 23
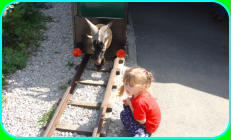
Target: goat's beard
101, 64
98, 61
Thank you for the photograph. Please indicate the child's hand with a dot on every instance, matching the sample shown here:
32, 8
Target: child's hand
127, 101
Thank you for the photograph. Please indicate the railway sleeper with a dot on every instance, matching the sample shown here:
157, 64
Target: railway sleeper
103, 107
85, 130
89, 104
94, 83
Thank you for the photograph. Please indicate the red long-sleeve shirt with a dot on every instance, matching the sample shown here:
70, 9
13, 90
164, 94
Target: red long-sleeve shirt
146, 107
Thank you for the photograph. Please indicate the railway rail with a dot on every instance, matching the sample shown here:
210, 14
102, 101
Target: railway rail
103, 107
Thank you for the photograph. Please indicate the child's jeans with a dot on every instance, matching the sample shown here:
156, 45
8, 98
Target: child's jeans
131, 125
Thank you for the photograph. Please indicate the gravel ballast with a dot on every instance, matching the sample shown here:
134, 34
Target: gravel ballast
35, 89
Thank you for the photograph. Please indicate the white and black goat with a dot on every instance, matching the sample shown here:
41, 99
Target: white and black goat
101, 36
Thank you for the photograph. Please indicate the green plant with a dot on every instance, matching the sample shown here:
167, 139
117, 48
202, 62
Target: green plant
46, 117
70, 64
4, 98
13, 60
63, 87
4, 82
23, 24
22, 27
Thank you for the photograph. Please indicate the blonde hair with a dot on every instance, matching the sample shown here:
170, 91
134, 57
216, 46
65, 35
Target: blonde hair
136, 76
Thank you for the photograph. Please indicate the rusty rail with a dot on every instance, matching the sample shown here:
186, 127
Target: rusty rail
97, 129
63, 103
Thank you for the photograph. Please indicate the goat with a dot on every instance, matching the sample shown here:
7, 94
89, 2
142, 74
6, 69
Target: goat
101, 36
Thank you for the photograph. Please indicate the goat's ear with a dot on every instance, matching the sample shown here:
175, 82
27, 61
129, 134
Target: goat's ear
90, 36
109, 24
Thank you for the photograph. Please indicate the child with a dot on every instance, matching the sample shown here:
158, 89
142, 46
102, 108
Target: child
141, 115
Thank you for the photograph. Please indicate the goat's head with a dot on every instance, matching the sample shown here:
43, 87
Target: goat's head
101, 36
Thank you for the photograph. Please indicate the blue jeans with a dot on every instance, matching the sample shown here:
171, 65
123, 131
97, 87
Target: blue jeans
132, 126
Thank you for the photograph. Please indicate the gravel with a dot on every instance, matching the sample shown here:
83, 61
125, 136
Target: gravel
35, 89
88, 93
73, 116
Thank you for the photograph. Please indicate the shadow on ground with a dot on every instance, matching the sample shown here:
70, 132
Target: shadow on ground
183, 43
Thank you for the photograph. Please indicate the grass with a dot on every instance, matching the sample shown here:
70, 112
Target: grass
13, 60
4, 82
22, 31
46, 117
4, 98
63, 87
70, 64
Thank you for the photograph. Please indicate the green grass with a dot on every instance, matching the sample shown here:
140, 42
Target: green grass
4, 82
22, 28
13, 60
70, 64
46, 117
63, 87
4, 98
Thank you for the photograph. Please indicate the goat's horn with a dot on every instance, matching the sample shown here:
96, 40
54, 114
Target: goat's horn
93, 28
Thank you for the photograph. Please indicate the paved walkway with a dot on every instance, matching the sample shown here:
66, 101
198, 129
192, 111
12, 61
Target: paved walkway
187, 50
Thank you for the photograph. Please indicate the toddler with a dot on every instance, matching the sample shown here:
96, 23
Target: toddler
141, 115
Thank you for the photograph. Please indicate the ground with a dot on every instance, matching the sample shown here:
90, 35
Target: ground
186, 49
181, 44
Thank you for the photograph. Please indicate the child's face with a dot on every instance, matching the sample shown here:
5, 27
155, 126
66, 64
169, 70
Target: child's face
132, 90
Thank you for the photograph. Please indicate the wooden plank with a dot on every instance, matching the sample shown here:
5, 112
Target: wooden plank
99, 70
91, 82
81, 130
87, 104
94, 83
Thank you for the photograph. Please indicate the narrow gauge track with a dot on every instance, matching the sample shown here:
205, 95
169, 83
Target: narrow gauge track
103, 107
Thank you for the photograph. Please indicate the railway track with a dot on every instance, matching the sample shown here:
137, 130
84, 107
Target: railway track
103, 107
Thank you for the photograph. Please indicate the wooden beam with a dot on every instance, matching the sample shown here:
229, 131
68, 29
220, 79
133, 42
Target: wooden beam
99, 70
87, 104
94, 83
81, 130
91, 82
